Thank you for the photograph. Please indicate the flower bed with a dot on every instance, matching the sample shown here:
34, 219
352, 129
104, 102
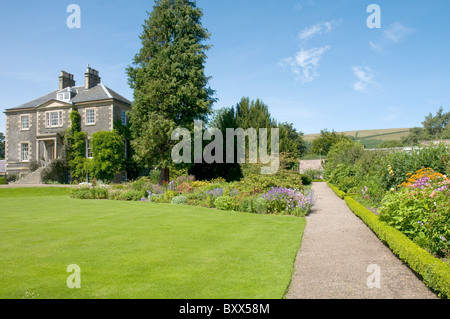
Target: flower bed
283, 193
420, 209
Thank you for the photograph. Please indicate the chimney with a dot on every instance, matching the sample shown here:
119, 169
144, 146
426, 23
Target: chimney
66, 80
91, 78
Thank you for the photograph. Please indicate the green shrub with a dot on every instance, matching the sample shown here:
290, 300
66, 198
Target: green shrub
245, 206
169, 195
224, 202
154, 176
179, 200
142, 185
131, 195
306, 180
260, 205
116, 193
2, 180
12, 178
56, 171
314, 174
157, 198
89, 193
337, 191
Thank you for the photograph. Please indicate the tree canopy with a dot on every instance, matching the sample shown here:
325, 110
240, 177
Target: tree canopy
434, 128
326, 140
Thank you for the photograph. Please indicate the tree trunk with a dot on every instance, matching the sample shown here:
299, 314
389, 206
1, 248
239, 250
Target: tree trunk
164, 176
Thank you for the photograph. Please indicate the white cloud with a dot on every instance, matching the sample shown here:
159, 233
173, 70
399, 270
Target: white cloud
393, 34
300, 5
305, 63
316, 29
364, 77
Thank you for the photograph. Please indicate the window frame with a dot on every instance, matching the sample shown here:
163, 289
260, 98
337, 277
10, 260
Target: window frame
89, 149
123, 115
87, 117
22, 159
58, 120
22, 116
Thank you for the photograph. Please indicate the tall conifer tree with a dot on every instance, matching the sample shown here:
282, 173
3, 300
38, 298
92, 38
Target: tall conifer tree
170, 87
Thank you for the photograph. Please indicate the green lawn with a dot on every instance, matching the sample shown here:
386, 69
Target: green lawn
140, 250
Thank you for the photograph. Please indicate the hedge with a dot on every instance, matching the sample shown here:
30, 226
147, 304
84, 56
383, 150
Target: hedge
337, 191
434, 272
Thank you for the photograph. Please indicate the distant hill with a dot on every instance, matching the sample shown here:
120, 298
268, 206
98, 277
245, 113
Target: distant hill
371, 138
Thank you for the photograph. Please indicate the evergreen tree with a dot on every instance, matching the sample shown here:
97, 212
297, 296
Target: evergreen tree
75, 147
167, 76
2, 145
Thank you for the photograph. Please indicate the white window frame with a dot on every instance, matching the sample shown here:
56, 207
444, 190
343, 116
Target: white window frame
64, 96
49, 119
123, 115
87, 117
22, 157
28, 122
89, 149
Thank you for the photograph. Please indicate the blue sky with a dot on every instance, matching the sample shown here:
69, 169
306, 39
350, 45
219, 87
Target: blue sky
314, 62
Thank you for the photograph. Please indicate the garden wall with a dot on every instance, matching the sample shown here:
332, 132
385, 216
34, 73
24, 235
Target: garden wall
306, 165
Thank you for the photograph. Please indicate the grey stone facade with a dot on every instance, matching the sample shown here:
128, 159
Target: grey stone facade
34, 129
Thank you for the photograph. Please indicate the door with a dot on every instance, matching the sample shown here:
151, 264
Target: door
51, 152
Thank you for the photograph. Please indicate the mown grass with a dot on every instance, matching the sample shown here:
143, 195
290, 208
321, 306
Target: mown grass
140, 250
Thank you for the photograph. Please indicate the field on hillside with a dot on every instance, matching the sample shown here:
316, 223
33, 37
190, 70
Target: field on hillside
140, 250
371, 138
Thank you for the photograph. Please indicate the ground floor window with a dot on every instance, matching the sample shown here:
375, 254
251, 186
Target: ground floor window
89, 149
24, 152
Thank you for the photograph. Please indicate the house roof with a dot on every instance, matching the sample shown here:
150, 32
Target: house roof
96, 93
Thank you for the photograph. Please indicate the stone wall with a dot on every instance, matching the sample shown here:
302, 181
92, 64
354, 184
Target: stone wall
310, 164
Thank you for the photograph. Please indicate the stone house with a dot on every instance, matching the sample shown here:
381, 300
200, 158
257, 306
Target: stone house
34, 129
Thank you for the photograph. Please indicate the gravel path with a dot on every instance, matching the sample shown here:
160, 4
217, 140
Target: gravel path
336, 251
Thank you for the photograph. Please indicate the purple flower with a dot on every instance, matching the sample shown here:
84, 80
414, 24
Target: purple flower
422, 182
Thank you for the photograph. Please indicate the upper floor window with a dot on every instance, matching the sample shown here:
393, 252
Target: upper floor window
124, 118
24, 122
66, 94
90, 116
54, 119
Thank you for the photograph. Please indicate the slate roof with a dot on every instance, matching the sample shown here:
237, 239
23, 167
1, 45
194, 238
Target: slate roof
96, 93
